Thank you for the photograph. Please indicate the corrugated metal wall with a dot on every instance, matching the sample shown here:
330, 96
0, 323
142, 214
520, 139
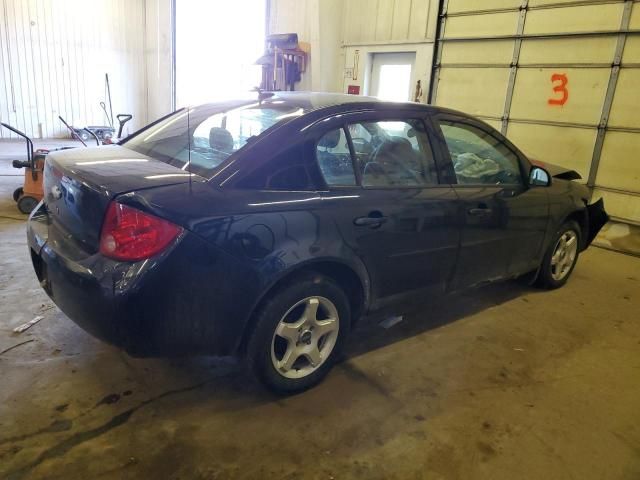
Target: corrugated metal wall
559, 77
54, 56
388, 21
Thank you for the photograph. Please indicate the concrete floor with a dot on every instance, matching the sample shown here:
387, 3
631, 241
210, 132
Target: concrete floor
506, 382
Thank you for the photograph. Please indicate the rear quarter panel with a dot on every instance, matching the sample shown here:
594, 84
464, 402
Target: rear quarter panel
262, 236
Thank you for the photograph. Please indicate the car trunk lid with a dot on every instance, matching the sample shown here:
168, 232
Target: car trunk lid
80, 183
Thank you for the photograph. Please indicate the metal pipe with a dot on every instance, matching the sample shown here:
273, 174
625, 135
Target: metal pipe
513, 71
550, 123
601, 33
547, 6
530, 65
618, 190
433, 86
608, 98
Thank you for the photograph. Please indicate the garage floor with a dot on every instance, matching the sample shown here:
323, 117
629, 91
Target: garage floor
504, 382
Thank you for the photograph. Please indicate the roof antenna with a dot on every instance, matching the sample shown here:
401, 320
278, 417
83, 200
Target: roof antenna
189, 146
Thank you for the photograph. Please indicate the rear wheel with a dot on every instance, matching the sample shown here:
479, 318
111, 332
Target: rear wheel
560, 260
26, 204
299, 334
17, 193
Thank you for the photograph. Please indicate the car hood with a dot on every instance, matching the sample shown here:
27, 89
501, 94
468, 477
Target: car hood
557, 171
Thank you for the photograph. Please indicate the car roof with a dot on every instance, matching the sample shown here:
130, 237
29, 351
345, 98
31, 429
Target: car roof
313, 101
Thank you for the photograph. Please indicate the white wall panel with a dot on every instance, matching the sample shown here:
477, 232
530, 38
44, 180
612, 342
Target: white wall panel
459, 88
625, 110
54, 58
587, 50
620, 163
401, 20
569, 147
634, 23
470, 52
631, 52
422, 19
586, 88
537, 3
457, 6
620, 206
487, 25
368, 22
584, 18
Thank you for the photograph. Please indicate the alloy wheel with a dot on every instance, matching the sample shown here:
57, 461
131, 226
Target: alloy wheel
305, 337
564, 255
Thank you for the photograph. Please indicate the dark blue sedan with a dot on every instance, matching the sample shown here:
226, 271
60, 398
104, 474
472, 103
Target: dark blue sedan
266, 227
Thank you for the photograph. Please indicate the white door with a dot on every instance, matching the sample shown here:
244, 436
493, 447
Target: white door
391, 76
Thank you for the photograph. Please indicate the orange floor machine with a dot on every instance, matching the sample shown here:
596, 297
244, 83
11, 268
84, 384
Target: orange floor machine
28, 196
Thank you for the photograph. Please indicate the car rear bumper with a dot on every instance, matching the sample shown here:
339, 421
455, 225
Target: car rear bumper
170, 305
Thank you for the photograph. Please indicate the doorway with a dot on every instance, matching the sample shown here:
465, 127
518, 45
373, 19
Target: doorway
217, 44
391, 75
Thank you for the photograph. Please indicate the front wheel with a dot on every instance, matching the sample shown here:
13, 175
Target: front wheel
298, 334
560, 260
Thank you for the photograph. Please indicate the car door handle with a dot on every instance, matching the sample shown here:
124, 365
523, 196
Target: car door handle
480, 212
369, 221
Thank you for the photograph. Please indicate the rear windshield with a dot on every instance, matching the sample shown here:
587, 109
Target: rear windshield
207, 135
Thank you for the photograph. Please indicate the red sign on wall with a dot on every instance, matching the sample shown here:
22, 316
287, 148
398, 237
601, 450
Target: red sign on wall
353, 89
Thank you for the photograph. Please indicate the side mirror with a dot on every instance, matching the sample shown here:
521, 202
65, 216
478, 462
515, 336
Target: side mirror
539, 177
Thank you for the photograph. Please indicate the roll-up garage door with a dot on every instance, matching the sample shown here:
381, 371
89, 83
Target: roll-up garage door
559, 77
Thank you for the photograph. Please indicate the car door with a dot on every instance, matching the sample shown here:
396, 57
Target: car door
503, 219
381, 173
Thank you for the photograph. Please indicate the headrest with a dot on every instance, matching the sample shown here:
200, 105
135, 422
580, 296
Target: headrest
220, 139
330, 139
396, 149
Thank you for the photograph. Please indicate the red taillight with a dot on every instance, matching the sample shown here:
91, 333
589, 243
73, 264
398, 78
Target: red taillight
130, 234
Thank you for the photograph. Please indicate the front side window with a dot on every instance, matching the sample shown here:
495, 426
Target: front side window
479, 157
393, 154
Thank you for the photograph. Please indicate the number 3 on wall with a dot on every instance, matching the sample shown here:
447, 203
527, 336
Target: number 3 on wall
560, 89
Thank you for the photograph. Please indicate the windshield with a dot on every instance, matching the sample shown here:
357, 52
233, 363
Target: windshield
207, 135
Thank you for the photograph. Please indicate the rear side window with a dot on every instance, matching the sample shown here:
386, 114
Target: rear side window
334, 158
478, 156
202, 138
385, 154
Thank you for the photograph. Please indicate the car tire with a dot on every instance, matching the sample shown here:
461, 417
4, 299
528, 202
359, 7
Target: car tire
17, 193
561, 257
299, 333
